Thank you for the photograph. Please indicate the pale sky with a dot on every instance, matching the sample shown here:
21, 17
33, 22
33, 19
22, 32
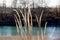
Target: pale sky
53, 3
50, 3
8, 2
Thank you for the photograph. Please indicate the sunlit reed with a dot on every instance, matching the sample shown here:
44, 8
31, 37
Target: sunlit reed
28, 24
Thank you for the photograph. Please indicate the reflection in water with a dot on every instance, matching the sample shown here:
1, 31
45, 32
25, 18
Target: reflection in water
7, 30
10, 30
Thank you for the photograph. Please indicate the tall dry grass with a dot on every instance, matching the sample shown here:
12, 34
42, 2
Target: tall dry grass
28, 24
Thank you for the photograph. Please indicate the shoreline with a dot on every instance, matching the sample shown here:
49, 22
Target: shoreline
20, 38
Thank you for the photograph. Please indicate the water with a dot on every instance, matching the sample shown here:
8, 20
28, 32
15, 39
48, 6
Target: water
11, 30
8, 30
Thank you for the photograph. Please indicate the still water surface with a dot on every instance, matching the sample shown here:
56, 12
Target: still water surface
11, 30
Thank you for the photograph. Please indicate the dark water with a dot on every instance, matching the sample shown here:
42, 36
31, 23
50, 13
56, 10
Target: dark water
11, 30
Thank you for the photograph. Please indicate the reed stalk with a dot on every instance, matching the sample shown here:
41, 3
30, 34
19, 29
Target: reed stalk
29, 15
25, 21
39, 25
45, 28
17, 27
19, 22
24, 18
28, 23
45, 32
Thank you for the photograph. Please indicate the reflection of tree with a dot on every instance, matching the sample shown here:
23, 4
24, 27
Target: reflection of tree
13, 31
14, 3
4, 3
24, 3
32, 3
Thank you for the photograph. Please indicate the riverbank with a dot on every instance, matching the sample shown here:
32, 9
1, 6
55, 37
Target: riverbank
20, 38
29, 38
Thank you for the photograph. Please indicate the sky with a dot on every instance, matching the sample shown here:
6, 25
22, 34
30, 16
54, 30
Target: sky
50, 3
8, 2
53, 3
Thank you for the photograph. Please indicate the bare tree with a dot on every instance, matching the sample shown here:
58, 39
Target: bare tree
14, 3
